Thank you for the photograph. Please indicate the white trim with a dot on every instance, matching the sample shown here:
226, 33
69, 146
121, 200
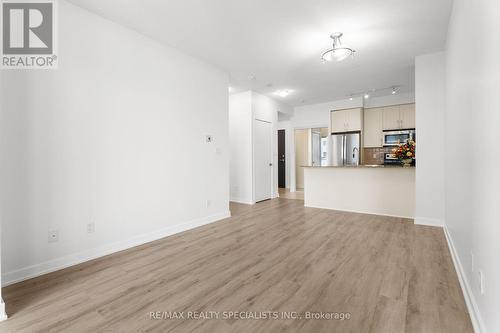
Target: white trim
359, 212
241, 201
470, 300
3, 314
429, 222
80, 257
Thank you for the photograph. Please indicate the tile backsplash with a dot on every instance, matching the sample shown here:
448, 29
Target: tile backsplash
373, 155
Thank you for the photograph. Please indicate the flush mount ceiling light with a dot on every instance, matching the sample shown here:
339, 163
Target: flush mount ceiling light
283, 93
338, 52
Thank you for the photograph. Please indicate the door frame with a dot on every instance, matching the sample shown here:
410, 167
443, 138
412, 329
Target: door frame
293, 172
284, 153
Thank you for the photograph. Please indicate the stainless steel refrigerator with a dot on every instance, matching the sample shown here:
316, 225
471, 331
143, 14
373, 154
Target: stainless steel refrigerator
345, 149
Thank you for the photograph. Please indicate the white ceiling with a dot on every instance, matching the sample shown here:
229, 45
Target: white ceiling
280, 41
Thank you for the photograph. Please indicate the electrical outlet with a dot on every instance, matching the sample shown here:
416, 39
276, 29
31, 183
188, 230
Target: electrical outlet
481, 282
91, 228
53, 236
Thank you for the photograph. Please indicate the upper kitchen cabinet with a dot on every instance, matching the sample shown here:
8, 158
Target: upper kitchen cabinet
398, 117
390, 117
407, 114
338, 119
349, 120
373, 128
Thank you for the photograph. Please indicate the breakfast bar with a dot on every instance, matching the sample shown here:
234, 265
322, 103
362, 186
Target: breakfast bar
378, 189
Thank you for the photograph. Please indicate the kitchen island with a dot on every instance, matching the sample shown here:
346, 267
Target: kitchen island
376, 189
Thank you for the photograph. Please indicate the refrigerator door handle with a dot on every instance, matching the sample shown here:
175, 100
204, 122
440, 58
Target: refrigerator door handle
344, 150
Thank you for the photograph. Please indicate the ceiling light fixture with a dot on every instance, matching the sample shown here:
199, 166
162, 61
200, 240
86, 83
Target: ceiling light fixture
394, 90
338, 52
367, 96
283, 93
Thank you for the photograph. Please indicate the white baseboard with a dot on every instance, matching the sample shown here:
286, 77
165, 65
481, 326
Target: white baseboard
240, 201
358, 212
80, 257
3, 314
470, 300
429, 222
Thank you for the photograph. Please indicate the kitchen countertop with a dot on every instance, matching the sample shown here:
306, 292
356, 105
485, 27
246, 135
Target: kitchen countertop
361, 166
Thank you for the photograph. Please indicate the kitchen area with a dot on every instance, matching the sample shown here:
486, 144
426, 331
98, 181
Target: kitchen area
363, 173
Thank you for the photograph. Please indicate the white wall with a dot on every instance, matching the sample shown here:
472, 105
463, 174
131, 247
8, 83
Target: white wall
430, 111
244, 109
472, 154
3, 314
362, 190
380, 101
241, 154
267, 109
115, 136
318, 115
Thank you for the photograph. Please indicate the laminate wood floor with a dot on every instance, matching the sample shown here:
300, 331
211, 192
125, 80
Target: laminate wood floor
286, 194
387, 273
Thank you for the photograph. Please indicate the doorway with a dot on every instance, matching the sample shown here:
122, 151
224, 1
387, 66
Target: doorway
281, 158
312, 148
263, 167
302, 155
320, 146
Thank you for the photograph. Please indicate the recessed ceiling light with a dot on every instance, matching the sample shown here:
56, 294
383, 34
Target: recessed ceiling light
337, 52
283, 93
367, 96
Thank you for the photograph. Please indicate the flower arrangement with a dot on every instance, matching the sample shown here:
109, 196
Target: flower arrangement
405, 152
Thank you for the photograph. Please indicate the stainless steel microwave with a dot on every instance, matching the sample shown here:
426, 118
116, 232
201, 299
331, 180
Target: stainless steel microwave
395, 138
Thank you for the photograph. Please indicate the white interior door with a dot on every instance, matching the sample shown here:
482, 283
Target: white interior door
263, 155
